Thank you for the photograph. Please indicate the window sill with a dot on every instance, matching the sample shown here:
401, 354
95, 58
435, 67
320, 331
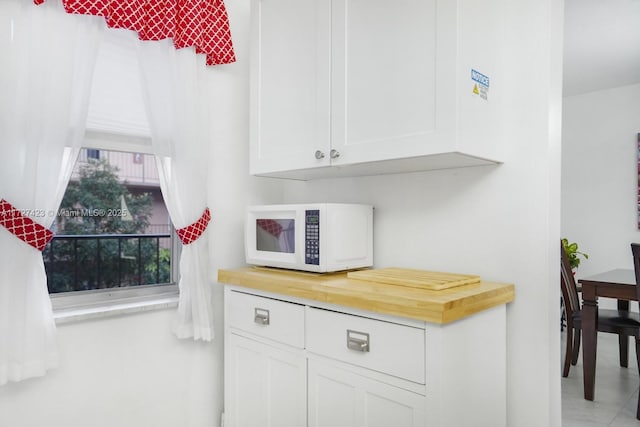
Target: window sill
113, 307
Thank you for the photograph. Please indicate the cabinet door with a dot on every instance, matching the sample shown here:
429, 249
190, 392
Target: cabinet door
384, 79
340, 398
290, 84
266, 386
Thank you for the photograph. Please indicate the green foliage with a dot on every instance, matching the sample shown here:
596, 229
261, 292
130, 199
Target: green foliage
573, 253
93, 205
162, 274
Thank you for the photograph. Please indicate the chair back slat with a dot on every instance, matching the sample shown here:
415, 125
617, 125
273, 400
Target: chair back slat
568, 284
635, 250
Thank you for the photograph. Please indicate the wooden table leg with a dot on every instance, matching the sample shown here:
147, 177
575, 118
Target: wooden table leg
623, 341
589, 339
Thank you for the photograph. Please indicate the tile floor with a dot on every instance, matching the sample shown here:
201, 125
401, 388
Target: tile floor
616, 394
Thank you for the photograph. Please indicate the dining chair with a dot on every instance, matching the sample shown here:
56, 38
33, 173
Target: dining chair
621, 322
635, 250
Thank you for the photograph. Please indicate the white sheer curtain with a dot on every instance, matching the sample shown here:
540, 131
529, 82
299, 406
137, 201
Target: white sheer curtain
174, 82
47, 63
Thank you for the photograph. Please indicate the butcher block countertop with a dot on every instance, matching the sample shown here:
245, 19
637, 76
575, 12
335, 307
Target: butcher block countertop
436, 306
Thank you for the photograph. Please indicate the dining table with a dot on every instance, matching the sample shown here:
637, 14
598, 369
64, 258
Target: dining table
619, 284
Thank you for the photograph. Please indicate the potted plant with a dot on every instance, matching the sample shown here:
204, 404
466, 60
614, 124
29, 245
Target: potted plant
574, 261
573, 253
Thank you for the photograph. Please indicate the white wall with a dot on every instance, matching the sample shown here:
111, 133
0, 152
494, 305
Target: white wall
600, 176
127, 371
500, 222
231, 188
131, 371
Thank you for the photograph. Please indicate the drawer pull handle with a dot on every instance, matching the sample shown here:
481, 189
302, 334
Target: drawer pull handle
261, 316
358, 341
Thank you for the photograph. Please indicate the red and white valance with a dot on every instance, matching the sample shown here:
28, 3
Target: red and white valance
200, 23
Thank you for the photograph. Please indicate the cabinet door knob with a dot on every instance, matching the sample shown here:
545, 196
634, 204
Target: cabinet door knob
334, 154
261, 316
319, 155
358, 341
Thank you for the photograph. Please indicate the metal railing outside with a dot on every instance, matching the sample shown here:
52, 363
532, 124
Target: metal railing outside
99, 261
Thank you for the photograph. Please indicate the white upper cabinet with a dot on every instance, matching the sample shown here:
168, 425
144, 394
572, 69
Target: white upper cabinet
360, 87
290, 84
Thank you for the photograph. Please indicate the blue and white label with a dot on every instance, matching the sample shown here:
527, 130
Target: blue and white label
480, 85
480, 78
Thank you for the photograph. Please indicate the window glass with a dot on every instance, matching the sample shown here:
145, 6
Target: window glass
275, 235
112, 228
91, 153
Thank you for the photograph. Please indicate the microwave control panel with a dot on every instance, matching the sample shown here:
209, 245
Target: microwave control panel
312, 237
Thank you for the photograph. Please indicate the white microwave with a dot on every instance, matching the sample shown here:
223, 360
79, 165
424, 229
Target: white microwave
318, 237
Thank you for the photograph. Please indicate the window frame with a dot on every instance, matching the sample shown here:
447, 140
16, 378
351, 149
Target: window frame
107, 298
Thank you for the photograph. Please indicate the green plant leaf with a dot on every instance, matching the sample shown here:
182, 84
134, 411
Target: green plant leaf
573, 253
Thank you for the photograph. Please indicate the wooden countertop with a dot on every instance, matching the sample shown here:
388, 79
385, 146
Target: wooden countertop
440, 306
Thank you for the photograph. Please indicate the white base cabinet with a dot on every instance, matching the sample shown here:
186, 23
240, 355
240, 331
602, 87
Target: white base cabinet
294, 362
339, 397
267, 385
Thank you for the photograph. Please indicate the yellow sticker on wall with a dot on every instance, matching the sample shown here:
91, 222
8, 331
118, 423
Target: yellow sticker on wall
475, 90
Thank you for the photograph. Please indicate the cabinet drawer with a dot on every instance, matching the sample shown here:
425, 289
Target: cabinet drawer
266, 317
385, 347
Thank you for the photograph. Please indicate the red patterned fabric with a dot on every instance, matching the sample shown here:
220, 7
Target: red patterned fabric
200, 23
270, 226
24, 228
191, 233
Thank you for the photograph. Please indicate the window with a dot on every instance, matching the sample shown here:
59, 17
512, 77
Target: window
91, 153
112, 228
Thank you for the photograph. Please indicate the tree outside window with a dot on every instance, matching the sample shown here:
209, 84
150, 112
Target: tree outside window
104, 236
